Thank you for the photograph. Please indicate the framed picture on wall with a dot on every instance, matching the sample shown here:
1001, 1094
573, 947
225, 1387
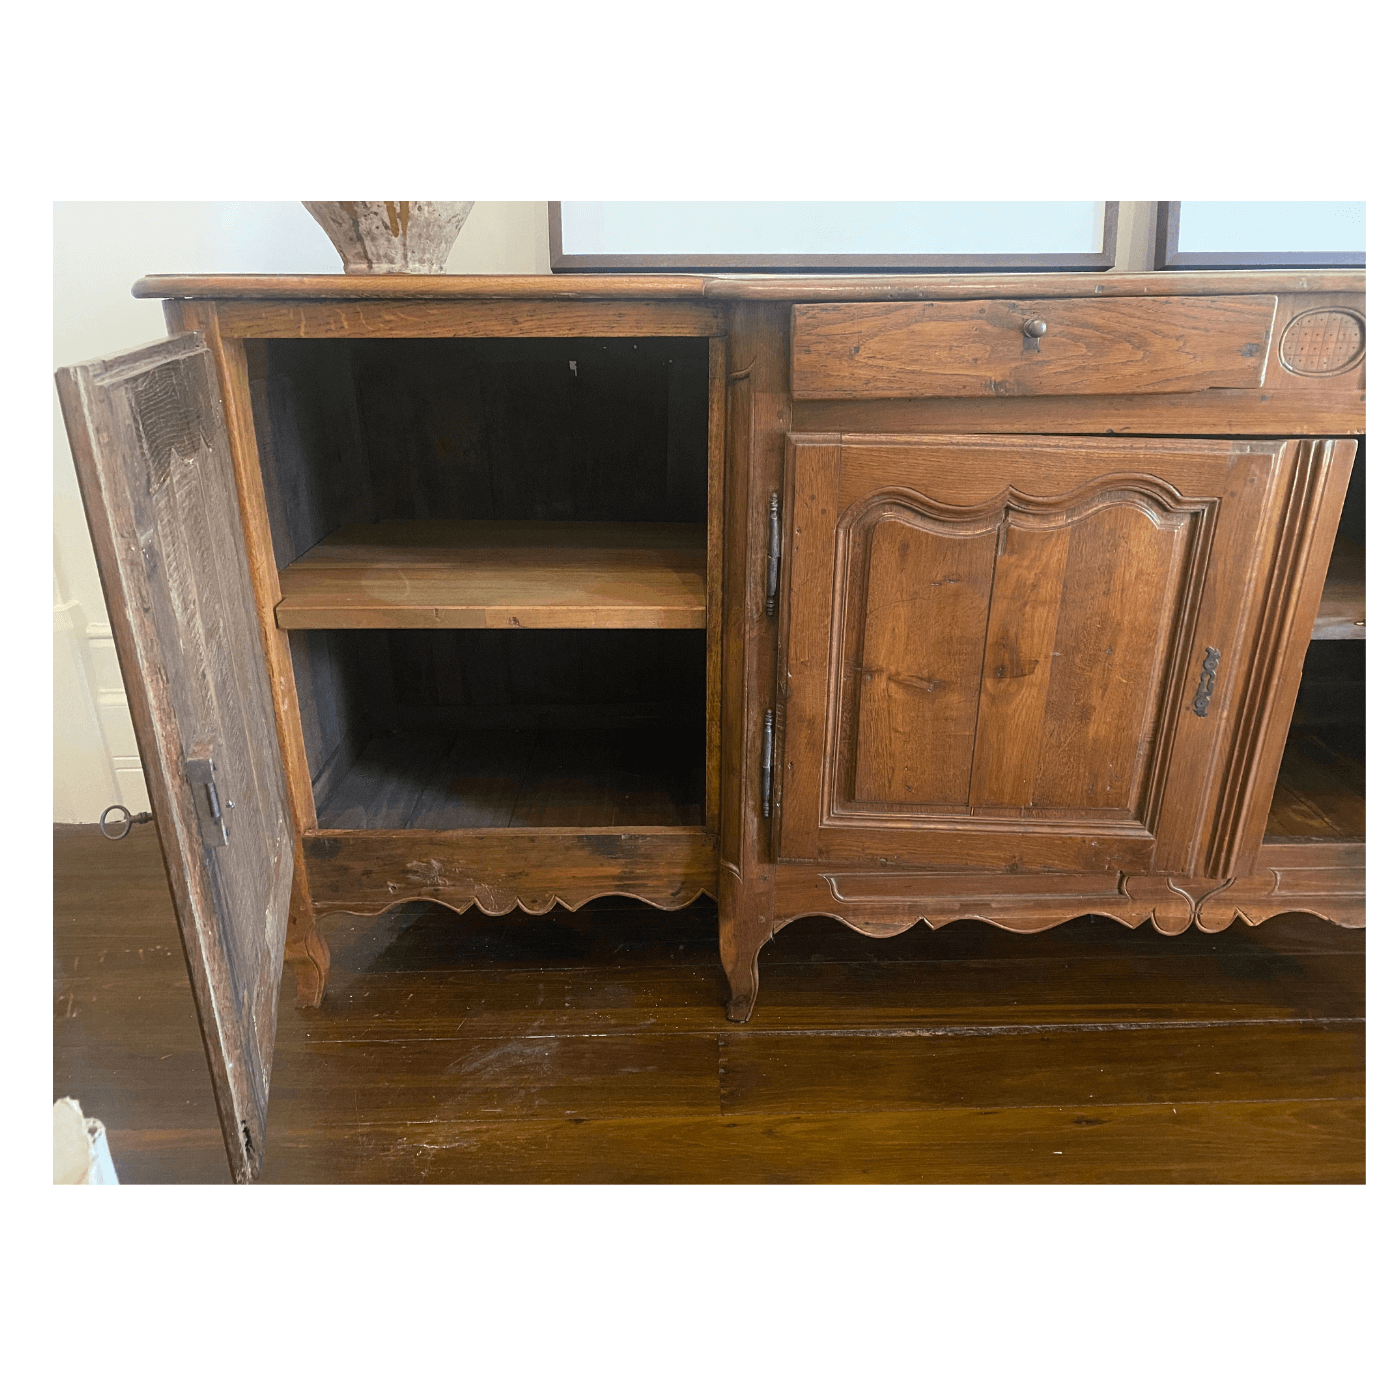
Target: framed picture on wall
833, 236
1243, 233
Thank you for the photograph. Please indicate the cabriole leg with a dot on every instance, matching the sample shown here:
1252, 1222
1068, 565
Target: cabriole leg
745, 925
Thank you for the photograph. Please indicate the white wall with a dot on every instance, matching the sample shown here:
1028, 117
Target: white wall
99, 251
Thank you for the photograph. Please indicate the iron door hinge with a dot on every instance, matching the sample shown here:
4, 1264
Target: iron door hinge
767, 764
199, 773
774, 549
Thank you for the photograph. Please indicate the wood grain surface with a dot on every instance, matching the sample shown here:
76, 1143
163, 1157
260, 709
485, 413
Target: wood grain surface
1302, 525
592, 1047
410, 286
1324, 877
759, 413
717, 388
1320, 793
978, 349
152, 454
499, 573
1307, 408
437, 319
683, 286
579, 770
304, 947
532, 867
974, 286
989, 646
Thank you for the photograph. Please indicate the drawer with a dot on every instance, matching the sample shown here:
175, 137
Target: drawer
986, 349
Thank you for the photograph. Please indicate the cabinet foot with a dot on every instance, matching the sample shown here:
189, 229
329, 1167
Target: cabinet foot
745, 925
306, 954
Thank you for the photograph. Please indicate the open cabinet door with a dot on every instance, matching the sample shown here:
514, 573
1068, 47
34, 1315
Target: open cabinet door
148, 436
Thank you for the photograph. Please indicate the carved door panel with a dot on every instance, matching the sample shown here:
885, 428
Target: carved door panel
152, 453
1012, 653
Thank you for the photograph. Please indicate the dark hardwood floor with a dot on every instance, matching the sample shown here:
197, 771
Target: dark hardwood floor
592, 1047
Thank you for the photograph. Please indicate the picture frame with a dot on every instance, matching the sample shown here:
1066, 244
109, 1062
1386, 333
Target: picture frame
1092, 259
1169, 255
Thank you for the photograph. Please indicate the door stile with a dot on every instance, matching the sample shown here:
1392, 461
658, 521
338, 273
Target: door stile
1292, 567
306, 951
757, 415
714, 572
809, 562
1198, 758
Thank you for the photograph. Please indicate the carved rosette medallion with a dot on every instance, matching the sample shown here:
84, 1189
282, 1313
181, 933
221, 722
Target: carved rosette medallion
1323, 342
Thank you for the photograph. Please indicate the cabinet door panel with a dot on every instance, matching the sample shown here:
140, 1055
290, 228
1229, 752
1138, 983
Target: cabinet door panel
151, 449
988, 644
1022, 631
1119, 588
920, 661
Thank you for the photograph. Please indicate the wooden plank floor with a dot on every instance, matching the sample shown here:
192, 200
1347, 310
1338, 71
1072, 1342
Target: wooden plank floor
593, 1048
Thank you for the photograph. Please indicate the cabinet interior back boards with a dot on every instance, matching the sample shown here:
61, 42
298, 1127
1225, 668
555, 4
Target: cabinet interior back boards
1013, 597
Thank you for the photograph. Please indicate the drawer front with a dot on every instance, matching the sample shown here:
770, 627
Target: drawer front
987, 349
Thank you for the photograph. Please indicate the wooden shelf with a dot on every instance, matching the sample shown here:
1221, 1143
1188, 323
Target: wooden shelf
1342, 613
1320, 794
580, 776
499, 574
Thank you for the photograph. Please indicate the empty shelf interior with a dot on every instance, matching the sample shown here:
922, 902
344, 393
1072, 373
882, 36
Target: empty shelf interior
1341, 616
357, 432
448, 729
584, 773
500, 574
1320, 795
1321, 790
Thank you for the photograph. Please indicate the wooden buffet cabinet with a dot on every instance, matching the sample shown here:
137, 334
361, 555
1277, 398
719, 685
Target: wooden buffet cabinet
883, 598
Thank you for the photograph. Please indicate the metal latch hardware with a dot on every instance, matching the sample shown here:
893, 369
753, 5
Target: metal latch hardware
199, 773
1201, 704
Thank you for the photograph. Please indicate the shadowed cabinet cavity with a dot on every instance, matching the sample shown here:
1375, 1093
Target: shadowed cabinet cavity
493, 565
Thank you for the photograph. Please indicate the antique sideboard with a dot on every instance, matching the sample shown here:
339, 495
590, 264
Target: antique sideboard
1007, 597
